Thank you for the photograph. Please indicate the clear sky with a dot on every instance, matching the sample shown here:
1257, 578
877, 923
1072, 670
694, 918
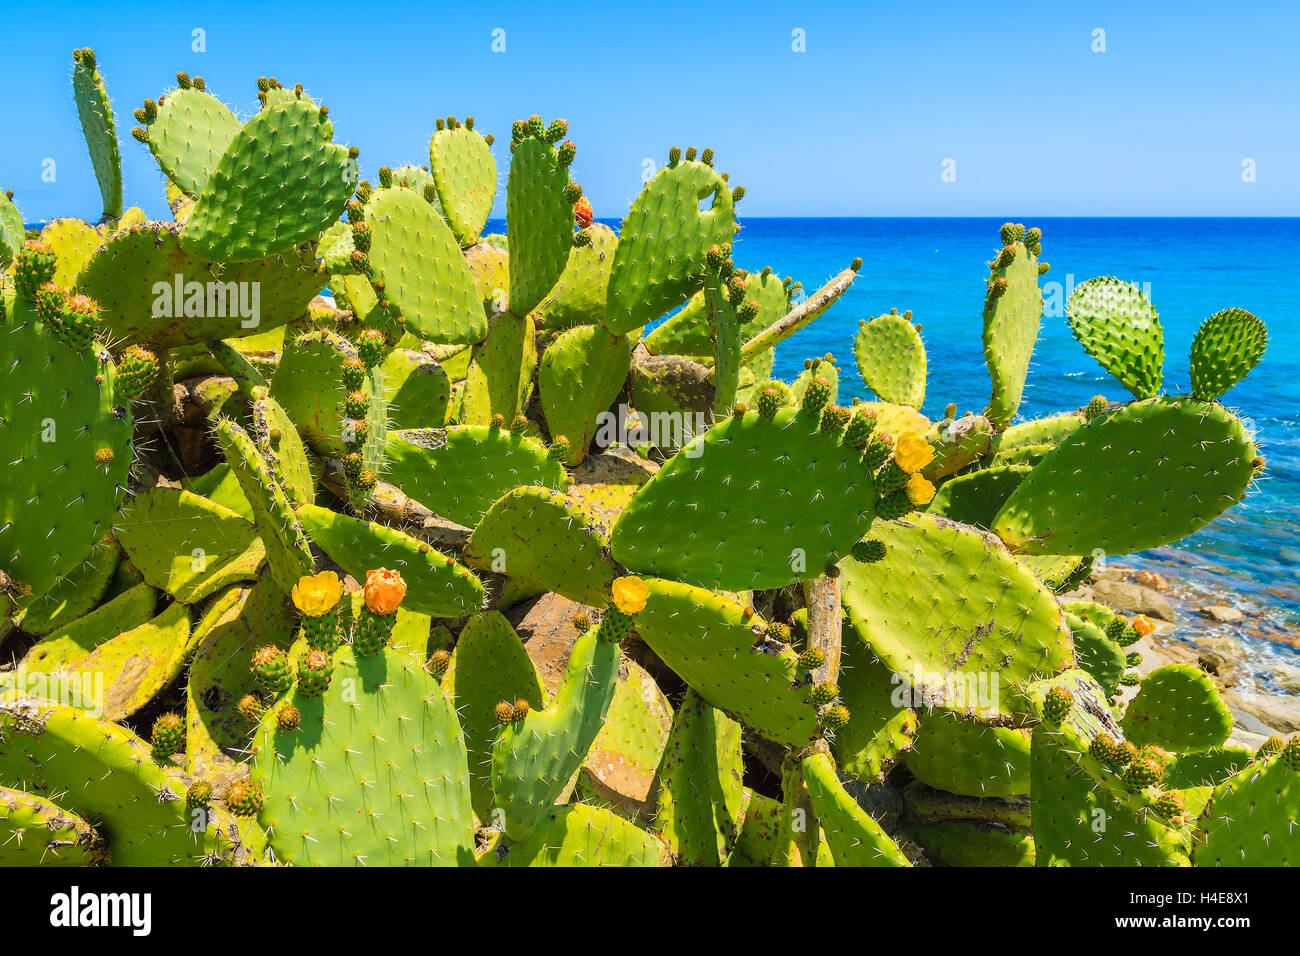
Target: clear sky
1033, 120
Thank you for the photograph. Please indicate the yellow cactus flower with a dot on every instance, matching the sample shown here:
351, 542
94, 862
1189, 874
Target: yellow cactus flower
912, 452
630, 594
316, 594
919, 490
384, 591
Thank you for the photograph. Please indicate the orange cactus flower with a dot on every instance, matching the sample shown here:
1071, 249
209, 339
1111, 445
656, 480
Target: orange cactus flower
316, 594
1143, 625
384, 591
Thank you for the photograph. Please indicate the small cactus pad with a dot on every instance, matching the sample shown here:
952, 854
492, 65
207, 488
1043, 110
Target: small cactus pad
753, 503
1116, 322
425, 278
437, 585
659, 262
548, 538
580, 375
100, 131
188, 135
959, 756
1013, 309
67, 451
375, 775
1178, 707
1117, 484
280, 182
535, 756
723, 655
35, 831
949, 600
1227, 346
541, 221
465, 175
891, 359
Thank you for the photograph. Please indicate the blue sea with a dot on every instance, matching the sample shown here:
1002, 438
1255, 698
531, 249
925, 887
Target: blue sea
1194, 267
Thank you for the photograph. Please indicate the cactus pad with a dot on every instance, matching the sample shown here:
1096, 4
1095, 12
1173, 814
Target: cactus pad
891, 359
465, 175
1227, 346
1178, 707
1013, 309
580, 375
188, 136
99, 129
1118, 325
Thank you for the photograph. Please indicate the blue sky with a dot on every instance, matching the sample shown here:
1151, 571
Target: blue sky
860, 124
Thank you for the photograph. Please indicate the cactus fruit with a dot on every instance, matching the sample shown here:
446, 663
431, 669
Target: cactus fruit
1059, 703
168, 736
243, 799
272, 670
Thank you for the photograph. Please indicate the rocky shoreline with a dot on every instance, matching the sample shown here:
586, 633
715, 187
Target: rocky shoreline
1189, 631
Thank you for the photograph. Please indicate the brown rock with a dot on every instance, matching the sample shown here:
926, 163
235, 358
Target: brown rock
1221, 614
1133, 599
1150, 579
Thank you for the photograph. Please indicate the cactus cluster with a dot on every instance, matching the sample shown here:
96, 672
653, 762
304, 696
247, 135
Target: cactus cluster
265, 571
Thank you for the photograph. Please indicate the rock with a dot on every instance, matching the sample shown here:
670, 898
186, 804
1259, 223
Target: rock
1264, 715
1133, 599
1218, 666
1221, 613
1150, 579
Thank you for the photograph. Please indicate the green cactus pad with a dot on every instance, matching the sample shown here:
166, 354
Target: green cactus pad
533, 758
1051, 430
308, 385
280, 182
76, 594
75, 640
957, 843
891, 359
619, 771
949, 603
287, 550
104, 772
465, 175
957, 444
35, 831
13, 233
426, 279
137, 664
879, 728
541, 222
962, 757
580, 375
706, 639
437, 584
548, 538
1097, 654
1011, 322
578, 297
233, 626
186, 545
212, 300
489, 666
1227, 346
1252, 818
1118, 325
499, 380
760, 829
1078, 823
579, 835
752, 503
459, 472
100, 132
1208, 768
688, 331
1178, 707
1138, 461
375, 775
67, 451
659, 262
417, 389
855, 838
190, 133
976, 497
700, 790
